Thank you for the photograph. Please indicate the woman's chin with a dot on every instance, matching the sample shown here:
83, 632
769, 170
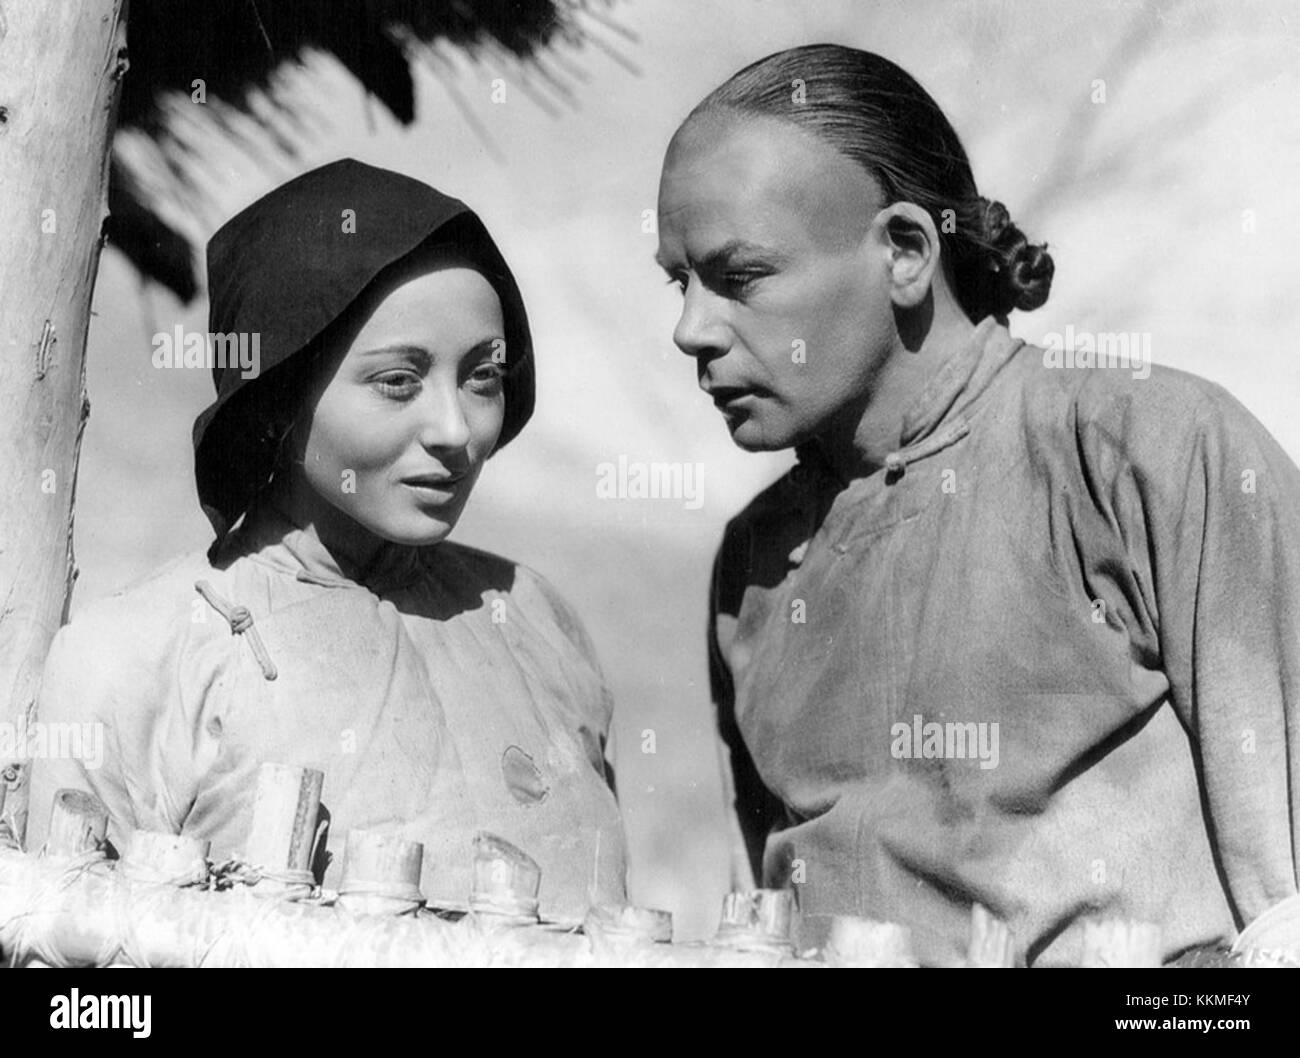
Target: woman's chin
420, 530
429, 536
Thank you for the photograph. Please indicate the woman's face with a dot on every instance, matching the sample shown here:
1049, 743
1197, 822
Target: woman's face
399, 430
786, 307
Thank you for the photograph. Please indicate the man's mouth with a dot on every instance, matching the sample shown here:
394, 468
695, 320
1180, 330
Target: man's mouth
726, 398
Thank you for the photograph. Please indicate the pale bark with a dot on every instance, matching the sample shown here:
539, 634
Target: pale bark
61, 66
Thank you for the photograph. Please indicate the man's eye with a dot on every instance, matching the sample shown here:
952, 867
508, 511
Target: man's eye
740, 281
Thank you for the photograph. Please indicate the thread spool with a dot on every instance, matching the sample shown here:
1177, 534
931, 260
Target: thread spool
282, 837
863, 942
165, 859
991, 942
506, 881
759, 920
381, 874
78, 824
628, 926
1118, 942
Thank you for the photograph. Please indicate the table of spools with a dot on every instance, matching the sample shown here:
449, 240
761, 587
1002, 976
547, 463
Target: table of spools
164, 903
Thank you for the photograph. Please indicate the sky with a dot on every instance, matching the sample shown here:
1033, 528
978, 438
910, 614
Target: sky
1153, 146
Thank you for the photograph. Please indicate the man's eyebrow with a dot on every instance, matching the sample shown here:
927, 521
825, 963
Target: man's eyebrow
720, 255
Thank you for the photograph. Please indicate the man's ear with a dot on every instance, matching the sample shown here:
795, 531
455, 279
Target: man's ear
912, 242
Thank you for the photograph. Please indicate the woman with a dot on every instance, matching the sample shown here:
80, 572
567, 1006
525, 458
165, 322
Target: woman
1009, 633
442, 690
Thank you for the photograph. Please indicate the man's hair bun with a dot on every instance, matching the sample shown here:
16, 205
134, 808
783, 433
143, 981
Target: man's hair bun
876, 114
1022, 270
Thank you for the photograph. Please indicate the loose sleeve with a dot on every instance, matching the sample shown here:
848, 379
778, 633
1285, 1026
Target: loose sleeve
1216, 504
103, 696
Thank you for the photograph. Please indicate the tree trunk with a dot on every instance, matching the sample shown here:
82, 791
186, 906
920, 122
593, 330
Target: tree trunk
61, 66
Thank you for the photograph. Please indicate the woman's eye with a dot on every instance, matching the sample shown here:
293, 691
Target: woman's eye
487, 378
400, 386
678, 281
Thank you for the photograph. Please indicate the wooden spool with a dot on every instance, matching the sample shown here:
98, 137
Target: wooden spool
506, 881
381, 874
628, 925
78, 824
759, 920
991, 942
1120, 943
165, 859
282, 837
863, 942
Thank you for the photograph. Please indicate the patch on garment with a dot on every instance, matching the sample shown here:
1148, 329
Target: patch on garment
523, 777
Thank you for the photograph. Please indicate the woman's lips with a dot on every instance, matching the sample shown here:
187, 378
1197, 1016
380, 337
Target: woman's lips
434, 480
439, 489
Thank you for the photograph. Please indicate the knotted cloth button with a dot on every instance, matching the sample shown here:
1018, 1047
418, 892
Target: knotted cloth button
240, 619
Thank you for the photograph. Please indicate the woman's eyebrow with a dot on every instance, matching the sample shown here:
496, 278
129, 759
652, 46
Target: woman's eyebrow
401, 349
419, 353
487, 345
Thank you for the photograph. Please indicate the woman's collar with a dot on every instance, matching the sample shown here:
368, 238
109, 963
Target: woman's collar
271, 535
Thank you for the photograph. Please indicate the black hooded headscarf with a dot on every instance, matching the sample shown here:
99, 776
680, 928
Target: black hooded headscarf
287, 268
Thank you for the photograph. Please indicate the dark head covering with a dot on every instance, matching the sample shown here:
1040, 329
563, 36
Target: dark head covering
288, 266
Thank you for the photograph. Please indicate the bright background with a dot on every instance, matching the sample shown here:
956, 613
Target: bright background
1170, 208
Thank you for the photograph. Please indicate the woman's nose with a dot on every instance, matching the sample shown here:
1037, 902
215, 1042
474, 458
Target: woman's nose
444, 425
701, 330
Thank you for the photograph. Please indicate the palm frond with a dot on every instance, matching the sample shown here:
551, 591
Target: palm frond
240, 51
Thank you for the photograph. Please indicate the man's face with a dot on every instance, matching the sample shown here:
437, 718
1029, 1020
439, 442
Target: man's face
786, 312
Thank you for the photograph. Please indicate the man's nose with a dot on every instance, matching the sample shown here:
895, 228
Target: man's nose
444, 425
702, 329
